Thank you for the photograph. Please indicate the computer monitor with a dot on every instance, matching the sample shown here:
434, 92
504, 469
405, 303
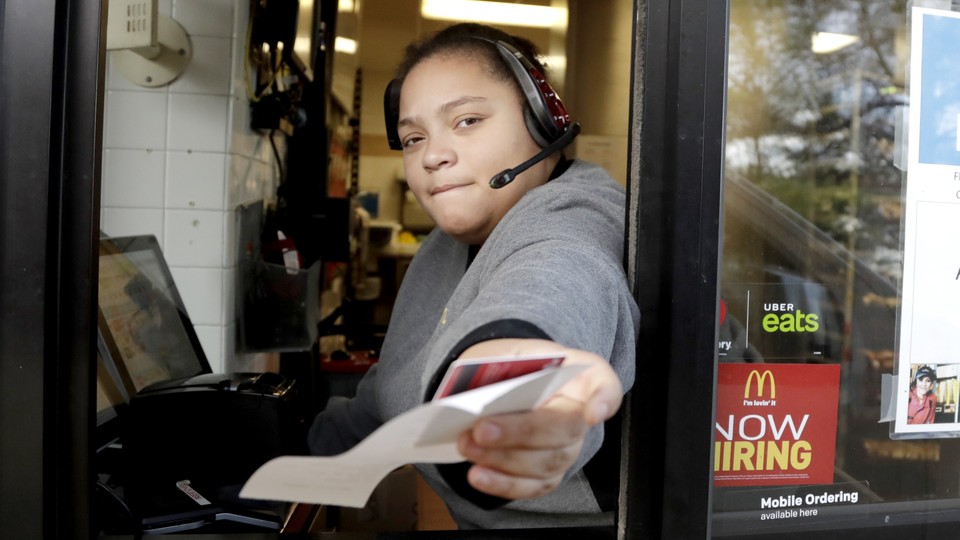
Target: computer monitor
143, 323
112, 399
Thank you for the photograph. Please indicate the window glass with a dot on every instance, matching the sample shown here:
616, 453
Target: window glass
811, 278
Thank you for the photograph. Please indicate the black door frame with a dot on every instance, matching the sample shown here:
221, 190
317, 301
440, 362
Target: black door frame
676, 164
51, 80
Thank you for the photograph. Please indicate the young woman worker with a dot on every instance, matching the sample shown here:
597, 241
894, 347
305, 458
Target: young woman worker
526, 257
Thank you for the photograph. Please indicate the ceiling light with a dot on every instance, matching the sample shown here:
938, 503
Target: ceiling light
345, 45
555, 63
494, 13
828, 42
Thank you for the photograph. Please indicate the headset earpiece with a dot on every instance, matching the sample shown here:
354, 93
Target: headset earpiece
391, 114
546, 116
534, 126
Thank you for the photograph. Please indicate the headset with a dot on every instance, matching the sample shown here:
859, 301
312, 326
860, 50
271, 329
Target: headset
545, 115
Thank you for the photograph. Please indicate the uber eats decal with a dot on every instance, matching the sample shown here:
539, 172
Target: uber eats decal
779, 321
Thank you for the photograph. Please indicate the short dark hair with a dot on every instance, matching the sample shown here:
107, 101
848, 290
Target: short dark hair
461, 39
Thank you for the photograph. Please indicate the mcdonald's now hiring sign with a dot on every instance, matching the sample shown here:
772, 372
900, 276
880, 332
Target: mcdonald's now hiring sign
776, 424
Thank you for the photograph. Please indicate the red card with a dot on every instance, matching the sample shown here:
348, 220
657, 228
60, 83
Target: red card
467, 374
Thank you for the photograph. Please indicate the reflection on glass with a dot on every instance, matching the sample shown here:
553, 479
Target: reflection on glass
143, 319
812, 251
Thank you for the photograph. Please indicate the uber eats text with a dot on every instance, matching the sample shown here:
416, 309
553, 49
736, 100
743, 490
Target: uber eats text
784, 318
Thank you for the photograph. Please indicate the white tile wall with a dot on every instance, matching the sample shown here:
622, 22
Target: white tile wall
195, 180
206, 17
211, 339
135, 119
239, 169
250, 180
231, 251
197, 123
132, 221
179, 159
207, 72
229, 294
243, 141
238, 73
133, 178
202, 293
193, 238
116, 81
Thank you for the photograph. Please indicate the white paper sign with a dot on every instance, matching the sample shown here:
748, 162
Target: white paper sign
929, 334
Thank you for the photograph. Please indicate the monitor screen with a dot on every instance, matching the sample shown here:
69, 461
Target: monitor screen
111, 400
109, 397
143, 321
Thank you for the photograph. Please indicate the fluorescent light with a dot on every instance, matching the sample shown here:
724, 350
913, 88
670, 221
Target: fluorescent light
494, 13
301, 48
828, 42
345, 45
346, 6
555, 63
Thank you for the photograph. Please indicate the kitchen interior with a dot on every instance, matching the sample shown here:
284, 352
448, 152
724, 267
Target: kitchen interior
252, 149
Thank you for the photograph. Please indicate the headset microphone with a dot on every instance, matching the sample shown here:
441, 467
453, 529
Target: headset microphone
507, 176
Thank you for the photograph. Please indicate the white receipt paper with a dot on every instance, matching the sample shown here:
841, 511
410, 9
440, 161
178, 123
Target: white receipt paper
425, 434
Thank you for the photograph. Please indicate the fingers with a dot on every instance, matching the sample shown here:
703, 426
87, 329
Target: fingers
517, 473
536, 444
558, 422
508, 486
525, 455
539, 463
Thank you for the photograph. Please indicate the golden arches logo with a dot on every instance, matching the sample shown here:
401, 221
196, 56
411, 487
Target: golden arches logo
761, 379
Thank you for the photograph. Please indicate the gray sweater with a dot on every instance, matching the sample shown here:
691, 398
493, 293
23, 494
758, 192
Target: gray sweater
552, 268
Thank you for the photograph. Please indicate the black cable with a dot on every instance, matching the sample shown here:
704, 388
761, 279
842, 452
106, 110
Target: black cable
117, 500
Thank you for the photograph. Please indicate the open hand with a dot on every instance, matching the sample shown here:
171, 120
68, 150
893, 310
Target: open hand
526, 455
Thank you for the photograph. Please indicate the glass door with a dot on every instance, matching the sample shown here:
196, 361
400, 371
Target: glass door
836, 328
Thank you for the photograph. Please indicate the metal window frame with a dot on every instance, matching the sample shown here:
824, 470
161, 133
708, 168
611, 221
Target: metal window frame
676, 174
51, 80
